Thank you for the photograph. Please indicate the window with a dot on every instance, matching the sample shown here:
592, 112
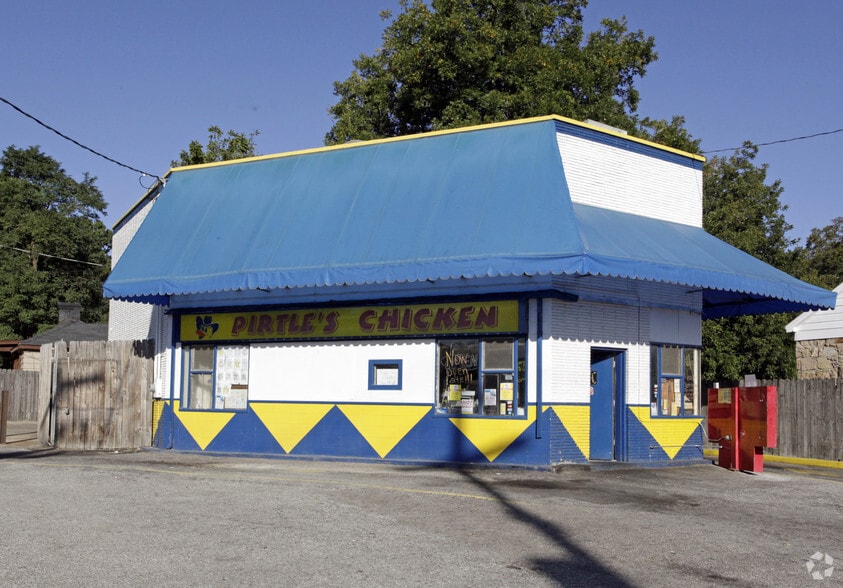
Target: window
385, 374
216, 377
675, 380
481, 377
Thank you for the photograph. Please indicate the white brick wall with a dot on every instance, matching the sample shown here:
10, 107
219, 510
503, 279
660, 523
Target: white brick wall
129, 321
609, 176
575, 328
615, 314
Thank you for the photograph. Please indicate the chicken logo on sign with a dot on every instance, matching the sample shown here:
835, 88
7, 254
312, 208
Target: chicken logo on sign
205, 326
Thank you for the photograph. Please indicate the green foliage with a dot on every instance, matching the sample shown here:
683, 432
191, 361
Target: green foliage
458, 62
53, 245
232, 145
671, 134
734, 347
740, 208
823, 255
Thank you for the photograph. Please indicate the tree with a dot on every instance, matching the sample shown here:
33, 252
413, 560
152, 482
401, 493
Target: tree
671, 134
740, 208
53, 245
459, 62
824, 255
232, 145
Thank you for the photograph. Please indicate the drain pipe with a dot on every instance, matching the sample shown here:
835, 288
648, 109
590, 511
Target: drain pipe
539, 366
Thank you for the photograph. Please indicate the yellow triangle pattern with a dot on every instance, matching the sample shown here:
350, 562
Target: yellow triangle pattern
671, 434
577, 421
158, 407
383, 426
493, 436
202, 426
289, 423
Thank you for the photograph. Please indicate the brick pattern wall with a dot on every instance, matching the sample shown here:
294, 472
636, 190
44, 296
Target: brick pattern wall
620, 175
819, 358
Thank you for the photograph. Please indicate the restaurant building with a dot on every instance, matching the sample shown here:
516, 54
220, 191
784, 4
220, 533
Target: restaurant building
526, 293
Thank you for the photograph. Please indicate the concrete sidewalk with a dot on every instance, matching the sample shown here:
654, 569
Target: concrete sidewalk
22, 434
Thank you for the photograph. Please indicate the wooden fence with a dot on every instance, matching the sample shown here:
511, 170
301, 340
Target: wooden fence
23, 394
810, 418
96, 394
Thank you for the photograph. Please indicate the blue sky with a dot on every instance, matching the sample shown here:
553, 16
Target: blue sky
138, 81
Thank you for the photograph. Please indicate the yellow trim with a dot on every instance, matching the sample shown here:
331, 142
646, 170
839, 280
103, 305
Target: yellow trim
353, 145
805, 461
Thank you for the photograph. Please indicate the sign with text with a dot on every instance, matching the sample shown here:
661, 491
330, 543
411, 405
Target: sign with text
363, 321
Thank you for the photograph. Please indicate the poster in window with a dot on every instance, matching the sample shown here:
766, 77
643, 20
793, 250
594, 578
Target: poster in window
232, 375
507, 390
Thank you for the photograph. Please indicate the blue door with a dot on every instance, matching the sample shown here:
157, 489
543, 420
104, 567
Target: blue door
602, 405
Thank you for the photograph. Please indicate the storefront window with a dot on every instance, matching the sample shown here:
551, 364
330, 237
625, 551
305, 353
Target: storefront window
216, 377
481, 377
675, 380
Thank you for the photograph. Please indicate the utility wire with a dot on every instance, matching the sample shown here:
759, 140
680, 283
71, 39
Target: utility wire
780, 141
52, 256
77, 143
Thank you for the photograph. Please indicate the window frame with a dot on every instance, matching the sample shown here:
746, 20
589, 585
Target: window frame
517, 377
659, 377
374, 364
188, 371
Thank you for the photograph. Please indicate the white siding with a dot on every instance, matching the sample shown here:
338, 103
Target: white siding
819, 324
608, 176
338, 372
163, 354
532, 351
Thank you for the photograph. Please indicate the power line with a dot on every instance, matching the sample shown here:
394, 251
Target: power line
52, 256
77, 143
780, 141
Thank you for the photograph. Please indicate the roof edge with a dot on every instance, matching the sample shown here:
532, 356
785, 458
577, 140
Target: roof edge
151, 192
522, 121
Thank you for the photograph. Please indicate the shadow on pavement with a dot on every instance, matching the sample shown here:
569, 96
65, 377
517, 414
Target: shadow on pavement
578, 568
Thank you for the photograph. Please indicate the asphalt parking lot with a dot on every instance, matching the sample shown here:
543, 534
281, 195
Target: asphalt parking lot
175, 519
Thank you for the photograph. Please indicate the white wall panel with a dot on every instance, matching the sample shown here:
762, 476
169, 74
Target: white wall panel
675, 326
338, 372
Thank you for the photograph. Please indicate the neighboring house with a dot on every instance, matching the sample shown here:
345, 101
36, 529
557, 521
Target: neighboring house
6, 348
521, 293
26, 355
819, 341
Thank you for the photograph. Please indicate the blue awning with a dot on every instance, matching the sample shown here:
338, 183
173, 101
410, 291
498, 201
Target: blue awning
491, 201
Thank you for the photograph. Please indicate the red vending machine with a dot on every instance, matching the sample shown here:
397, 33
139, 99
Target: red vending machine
743, 422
